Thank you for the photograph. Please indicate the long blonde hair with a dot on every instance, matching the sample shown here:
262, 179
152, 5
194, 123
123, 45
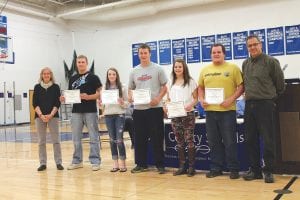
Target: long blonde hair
51, 75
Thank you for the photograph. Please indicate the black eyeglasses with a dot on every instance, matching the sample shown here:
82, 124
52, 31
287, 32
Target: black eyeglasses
253, 45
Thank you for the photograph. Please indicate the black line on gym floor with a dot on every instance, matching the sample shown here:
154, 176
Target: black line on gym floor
288, 185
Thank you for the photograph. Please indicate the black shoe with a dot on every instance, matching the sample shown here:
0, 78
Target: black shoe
269, 178
252, 176
234, 175
213, 173
179, 171
191, 172
59, 167
139, 169
161, 170
42, 168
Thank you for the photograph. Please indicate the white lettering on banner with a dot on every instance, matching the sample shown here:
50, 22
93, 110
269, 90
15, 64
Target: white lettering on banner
201, 144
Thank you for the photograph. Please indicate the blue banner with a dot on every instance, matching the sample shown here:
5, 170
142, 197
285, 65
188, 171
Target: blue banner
3, 25
3, 40
193, 49
292, 39
3, 19
225, 39
206, 43
275, 41
153, 47
164, 52
240, 50
178, 48
261, 34
202, 148
135, 54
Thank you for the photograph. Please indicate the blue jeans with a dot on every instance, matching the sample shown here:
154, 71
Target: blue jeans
115, 127
221, 135
91, 121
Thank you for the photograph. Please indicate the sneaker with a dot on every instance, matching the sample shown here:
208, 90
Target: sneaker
234, 175
213, 173
269, 178
42, 168
191, 172
75, 166
139, 169
161, 170
252, 176
59, 167
95, 167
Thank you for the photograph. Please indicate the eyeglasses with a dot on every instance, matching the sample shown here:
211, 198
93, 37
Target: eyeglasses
253, 45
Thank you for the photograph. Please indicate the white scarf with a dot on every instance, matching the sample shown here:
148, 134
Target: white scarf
46, 85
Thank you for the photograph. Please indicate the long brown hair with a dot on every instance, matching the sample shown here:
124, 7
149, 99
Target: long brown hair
118, 82
186, 74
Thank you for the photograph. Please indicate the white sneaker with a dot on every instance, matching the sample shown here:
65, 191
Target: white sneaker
95, 167
75, 166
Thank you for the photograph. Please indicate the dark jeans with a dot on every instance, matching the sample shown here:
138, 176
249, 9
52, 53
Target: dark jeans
130, 128
260, 123
149, 124
221, 135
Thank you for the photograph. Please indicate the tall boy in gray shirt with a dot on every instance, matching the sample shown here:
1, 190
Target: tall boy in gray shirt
148, 118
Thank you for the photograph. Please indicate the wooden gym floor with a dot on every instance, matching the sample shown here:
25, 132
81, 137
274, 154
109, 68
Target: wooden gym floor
20, 180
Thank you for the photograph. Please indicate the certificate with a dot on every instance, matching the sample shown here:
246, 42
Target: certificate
141, 96
214, 95
110, 96
176, 109
72, 96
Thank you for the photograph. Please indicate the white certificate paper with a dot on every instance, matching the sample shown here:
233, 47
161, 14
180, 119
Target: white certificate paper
110, 96
72, 96
214, 95
176, 109
141, 96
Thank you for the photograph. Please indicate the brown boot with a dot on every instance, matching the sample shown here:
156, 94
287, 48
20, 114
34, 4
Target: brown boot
181, 157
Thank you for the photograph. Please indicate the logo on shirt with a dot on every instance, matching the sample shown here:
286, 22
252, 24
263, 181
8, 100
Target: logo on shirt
213, 74
144, 77
226, 74
79, 82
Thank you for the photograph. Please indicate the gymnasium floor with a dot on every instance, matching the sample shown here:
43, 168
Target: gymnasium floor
20, 180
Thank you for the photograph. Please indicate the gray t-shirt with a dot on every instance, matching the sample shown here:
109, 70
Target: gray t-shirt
151, 77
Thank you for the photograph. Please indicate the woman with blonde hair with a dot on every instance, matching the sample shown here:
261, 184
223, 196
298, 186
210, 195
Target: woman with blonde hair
46, 104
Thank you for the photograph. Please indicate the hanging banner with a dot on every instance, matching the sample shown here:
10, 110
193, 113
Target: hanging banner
3, 40
239, 45
193, 49
178, 48
206, 43
261, 34
153, 47
275, 41
225, 39
135, 54
164, 52
292, 39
